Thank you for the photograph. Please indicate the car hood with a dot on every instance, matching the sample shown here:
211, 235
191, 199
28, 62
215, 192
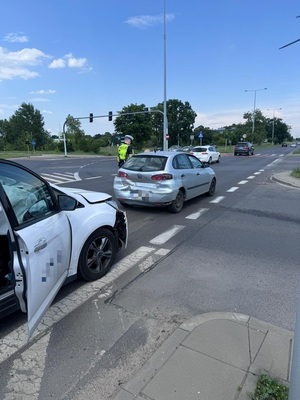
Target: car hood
88, 195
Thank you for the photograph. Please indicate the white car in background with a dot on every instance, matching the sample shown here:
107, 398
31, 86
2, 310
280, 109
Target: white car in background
206, 154
50, 235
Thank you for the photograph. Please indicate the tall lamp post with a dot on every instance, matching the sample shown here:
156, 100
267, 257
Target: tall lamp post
273, 123
253, 119
165, 134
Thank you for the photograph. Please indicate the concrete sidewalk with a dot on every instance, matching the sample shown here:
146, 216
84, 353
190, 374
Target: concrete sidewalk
214, 356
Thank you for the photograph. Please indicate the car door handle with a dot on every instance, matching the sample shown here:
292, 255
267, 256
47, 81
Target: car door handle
41, 244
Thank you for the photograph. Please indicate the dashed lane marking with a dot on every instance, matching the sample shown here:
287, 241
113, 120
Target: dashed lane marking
197, 214
165, 236
233, 189
217, 199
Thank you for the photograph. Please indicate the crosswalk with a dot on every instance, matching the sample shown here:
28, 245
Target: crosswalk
57, 178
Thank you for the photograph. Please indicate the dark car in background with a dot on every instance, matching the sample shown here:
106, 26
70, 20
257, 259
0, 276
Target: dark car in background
244, 148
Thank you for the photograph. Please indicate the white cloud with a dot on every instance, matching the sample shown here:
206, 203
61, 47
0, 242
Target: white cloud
146, 21
15, 38
68, 61
16, 64
58, 63
46, 112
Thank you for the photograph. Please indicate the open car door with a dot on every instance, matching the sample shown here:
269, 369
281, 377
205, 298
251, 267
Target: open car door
39, 236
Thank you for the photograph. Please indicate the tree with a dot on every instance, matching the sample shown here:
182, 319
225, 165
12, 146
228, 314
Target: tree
27, 125
74, 134
259, 134
279, 129
134, 121
181, 119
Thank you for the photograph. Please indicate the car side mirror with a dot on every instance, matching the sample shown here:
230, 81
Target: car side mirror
66, 203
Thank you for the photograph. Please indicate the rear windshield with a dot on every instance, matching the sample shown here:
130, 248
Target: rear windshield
200, 149
145, 163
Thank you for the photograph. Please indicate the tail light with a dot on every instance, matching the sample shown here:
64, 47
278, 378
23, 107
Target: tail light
205, 152
122, 174
161, 177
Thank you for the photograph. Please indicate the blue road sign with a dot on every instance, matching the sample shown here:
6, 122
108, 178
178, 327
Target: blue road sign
200, 135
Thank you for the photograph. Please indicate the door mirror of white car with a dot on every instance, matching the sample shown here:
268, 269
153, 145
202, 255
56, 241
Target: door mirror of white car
66, 203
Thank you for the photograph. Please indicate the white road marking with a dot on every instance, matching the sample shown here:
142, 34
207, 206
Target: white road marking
94, 177
242, 182
217, 199
197, 214
257, 173
233, 189
165, 236
251, 177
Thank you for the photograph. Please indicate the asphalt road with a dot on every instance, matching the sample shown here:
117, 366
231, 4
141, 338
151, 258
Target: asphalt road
238, 251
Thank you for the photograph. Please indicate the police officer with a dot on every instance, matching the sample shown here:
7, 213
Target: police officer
125, 150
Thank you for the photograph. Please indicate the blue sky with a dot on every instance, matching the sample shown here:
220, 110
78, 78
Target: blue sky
81, 56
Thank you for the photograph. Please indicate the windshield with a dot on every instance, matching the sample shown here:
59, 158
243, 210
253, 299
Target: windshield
145, 163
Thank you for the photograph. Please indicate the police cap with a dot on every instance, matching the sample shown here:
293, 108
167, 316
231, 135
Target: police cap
128, 137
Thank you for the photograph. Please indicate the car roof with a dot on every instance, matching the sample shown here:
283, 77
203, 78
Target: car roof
159, 153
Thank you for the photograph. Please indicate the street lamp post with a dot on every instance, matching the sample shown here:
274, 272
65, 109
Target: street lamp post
253, 119
273, 123
165, 142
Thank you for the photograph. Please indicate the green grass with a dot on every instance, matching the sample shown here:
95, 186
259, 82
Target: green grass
269, 388
296, 173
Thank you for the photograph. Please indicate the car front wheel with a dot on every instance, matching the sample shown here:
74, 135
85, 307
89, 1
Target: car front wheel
97, 255
212, 188
177, 204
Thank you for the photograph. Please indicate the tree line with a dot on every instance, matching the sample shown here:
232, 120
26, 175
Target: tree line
25, 128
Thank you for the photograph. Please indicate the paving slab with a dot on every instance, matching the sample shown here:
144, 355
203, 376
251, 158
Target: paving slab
190, 375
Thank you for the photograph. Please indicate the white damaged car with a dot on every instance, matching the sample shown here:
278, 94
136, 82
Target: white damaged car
50, 235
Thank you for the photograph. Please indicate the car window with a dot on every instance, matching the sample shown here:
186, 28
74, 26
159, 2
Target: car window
200, 149
181, 161
28, 196
145, 163
196, 163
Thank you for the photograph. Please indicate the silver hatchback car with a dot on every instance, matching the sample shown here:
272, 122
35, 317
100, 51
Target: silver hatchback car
163, 179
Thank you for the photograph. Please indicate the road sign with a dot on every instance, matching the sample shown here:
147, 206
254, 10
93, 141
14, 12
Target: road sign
200, 135
33, 143
244, 135
167, 136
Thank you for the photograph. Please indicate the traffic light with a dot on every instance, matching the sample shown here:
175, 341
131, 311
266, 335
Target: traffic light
91, 117
146, 111
110, 115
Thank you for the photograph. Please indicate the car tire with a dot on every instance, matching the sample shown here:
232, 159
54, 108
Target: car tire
219, 159
177, 204
212, 187
235, 154
209, 161
97, 255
